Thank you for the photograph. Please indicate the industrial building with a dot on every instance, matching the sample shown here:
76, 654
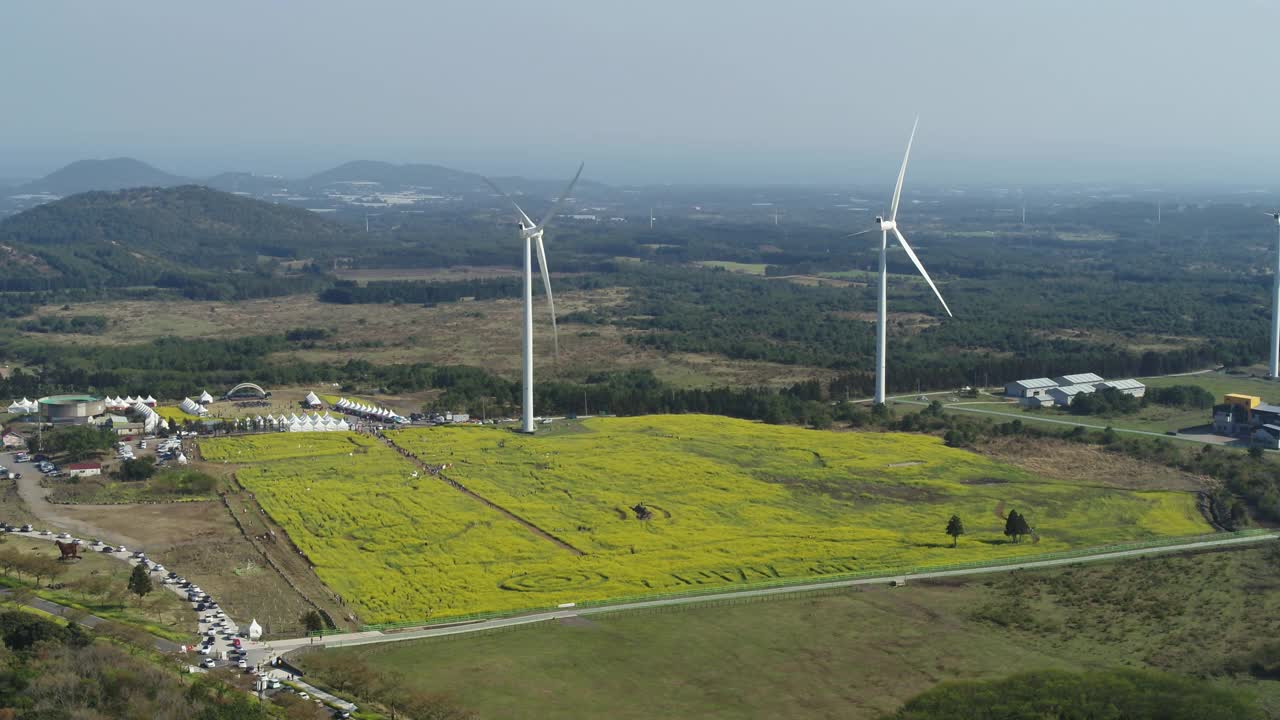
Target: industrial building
1245, 414
1062, 390
1035, 387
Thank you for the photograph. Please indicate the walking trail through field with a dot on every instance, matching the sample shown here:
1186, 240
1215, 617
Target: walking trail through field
438, 473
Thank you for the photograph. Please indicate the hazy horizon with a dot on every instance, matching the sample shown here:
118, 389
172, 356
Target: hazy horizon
715, 92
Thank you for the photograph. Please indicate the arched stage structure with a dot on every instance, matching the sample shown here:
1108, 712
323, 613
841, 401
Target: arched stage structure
246, 390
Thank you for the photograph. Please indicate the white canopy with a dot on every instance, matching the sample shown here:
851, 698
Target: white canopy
182, 459
149, 400
255, 630
312, 399
205, 397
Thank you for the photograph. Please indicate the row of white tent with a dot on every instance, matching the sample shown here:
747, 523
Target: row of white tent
124, 403
294, 423
191, 407
151, 420
23, 406
357, 407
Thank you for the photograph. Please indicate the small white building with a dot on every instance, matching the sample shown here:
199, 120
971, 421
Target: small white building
1066, 394
1035, 387
1128, 387
1080, 379
84, 469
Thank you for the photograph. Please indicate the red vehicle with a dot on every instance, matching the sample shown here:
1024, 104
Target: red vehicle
236, 642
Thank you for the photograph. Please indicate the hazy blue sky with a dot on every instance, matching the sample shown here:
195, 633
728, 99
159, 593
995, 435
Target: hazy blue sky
1009, 91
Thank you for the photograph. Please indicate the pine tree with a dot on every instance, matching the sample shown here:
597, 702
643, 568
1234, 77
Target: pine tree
140, 580
955, 528
1013, 525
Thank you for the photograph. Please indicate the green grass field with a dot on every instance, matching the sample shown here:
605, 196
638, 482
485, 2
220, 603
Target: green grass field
732, 503
853, 654
1155, 418
1152, 418
1220, 383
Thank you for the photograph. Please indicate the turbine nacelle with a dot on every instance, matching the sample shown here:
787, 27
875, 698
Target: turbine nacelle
529, 232
885, 225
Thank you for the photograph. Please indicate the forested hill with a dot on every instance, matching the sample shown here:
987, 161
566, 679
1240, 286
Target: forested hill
391, 175
112, 174
142, 236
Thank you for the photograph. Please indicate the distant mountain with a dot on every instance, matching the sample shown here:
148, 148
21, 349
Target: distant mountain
243, 182
392, 176
137, 236
114, 174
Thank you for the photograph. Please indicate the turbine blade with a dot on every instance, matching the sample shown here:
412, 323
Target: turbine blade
860, 232
551, 300
552, 211
509, 199
897, 189
924, 273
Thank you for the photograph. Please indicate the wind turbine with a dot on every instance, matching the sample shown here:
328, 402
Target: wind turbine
885, 227
1274, 370
531, 234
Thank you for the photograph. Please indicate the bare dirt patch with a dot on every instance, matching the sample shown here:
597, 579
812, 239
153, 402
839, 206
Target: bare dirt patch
460, 272
1076, 462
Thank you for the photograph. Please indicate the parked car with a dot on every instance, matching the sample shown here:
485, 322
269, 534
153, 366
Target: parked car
26, 528
208, 663
108, 549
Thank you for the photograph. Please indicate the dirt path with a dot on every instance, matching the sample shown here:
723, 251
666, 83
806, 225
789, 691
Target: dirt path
64, 517
282, 556
480, 498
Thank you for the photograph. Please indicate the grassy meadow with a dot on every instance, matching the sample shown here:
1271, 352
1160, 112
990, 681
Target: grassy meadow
855, 654
732, 502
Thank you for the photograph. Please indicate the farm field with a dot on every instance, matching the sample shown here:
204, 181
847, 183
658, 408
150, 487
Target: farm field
853, 654
732, 502
395, 544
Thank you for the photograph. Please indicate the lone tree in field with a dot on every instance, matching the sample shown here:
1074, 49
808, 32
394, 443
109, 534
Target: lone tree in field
140, 580
1015, 526
312, 621
955, 528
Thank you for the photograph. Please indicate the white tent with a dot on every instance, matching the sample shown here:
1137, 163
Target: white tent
205, 398
148, 400
255, 630
182, 459
19, 408
312, 400
342, 425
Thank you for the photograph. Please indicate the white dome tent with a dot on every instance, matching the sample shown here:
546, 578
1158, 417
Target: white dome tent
205, 398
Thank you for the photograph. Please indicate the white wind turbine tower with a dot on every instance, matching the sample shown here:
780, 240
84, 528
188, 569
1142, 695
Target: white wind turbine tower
885, 227
531, 234
1273, 370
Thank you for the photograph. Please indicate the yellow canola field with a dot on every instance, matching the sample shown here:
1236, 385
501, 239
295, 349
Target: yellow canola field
732, 502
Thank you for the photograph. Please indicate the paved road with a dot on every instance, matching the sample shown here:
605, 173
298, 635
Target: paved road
36, 498
367, 638
89, 621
